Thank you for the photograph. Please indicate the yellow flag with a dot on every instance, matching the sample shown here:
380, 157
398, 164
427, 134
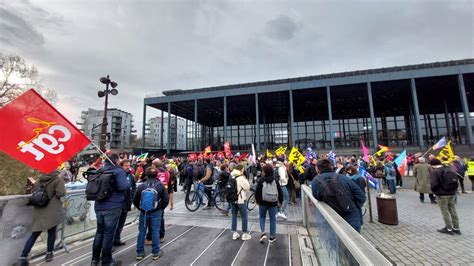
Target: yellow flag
269, 154
280, 151
447, 152
296, 157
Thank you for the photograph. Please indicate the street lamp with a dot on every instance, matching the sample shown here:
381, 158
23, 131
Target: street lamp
113, 91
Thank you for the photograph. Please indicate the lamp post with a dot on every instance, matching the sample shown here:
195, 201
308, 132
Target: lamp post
113, 91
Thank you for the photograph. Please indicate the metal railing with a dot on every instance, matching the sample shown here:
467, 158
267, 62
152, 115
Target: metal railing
334, 241
79, 216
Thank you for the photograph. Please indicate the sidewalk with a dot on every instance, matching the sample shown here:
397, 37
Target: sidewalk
415, 241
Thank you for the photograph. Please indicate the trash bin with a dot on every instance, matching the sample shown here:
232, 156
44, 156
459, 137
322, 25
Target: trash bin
387, 210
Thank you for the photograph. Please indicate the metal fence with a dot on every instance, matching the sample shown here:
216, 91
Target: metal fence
79, 216
334, 241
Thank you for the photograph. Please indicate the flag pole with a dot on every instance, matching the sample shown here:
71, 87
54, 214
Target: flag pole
370, 203
107, 157
424, 154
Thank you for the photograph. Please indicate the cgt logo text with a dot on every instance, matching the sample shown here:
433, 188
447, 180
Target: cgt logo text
50, 142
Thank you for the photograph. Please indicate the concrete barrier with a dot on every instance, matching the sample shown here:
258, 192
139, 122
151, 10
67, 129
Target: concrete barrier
334, 241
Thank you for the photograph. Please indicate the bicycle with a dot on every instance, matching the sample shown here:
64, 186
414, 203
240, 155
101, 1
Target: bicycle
194, 199
251, 201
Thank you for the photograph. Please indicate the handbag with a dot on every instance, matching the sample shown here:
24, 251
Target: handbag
297, 184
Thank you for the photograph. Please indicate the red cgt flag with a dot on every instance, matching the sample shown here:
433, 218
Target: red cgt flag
35, 133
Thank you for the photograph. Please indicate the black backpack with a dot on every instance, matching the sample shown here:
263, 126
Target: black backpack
334, 194
449, 180
231, 194
39, 198
99, 184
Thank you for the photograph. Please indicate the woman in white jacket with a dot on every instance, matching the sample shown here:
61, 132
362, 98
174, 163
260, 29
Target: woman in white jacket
242, 187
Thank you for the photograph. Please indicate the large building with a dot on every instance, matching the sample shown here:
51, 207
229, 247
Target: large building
119, 127
406, 106
157, 131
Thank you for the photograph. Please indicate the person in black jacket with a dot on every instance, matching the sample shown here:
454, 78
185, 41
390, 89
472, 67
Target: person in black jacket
267, 206
153, 216
446, 199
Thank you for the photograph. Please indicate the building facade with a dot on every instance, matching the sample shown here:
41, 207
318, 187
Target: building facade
119, 128
406, 106
157, 131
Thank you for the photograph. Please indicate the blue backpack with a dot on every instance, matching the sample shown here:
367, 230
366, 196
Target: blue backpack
149, 198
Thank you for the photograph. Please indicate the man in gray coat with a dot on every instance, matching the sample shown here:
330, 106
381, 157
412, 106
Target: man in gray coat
422, 173
46, 218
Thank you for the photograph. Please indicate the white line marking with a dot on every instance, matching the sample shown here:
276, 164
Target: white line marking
86, 255
289, 248
241, 247
202, 253
266, 254
174, 239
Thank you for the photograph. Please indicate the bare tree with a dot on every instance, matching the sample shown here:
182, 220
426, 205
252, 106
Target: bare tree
16, 76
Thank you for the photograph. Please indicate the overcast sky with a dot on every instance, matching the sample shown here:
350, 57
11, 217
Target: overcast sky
151, 46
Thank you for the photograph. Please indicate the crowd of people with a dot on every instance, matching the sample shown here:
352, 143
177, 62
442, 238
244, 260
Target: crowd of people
150, 183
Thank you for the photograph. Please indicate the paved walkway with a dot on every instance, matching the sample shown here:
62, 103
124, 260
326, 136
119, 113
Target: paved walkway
415, 241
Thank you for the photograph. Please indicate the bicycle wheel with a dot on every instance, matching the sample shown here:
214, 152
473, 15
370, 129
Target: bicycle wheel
251, 202
192, 200
221, 202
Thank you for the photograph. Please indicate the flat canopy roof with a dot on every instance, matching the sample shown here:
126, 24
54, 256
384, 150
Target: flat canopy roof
436, 85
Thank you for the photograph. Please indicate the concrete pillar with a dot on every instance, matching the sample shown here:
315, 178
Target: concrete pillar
195, 125
225, 119
465, 109
292, 119
143, 128
372, 116
416, 110
257, 119
168, 135
331, 126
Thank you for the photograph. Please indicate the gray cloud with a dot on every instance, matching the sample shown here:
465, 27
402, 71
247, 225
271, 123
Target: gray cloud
151, 46
16, 31
281, 28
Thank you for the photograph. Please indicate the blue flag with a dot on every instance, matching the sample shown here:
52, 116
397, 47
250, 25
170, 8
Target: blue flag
332, 157
373, 183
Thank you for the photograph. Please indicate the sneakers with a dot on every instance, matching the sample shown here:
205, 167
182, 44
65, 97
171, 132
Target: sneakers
434, 202
446, 231
157, 256
263, 237
246, 237
457, 231
49, 257
140, 256
148, 242
398, 187
23, 261
207, 207
272, 239
282, 215
235, 236
162, 240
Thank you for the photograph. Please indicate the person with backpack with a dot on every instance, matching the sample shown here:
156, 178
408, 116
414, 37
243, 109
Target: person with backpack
390, 177
444, 184
238, 186
45, 218
268, 194
108, 210
164, 177
151, 199
339, 192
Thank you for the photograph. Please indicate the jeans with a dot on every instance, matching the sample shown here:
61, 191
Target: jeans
285, 199
32, 239
155, 221
391, 186
399, 180
242, 208
149, 236
107, 221
461, 182
121, 223
272, 213
450, 216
